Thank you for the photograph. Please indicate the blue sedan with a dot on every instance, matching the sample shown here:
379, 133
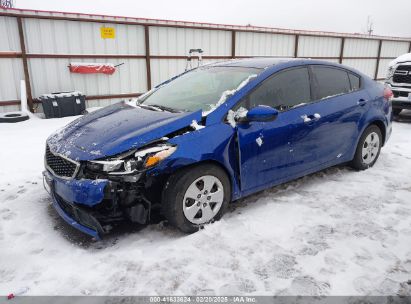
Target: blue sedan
210, 136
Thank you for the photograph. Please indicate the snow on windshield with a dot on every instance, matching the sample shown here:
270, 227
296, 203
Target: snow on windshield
229, 93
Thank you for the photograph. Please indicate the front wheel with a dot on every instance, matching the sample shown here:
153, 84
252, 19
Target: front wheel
368, 149
196, 196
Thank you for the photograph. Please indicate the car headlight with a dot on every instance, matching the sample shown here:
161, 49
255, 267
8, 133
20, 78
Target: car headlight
133, 161
158, 157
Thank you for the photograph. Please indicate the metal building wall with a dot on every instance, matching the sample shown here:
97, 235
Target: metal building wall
70, 38
11, 69
153, 51
309, 46
264, 44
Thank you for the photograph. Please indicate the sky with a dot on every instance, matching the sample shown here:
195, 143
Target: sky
390, 18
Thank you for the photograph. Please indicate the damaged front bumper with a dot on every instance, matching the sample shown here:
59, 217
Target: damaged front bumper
92, 206
64, 193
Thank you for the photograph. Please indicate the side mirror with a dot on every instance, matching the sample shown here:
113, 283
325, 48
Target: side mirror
262, 113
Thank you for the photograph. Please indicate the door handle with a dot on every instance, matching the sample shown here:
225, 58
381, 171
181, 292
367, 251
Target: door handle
310, 118
362, 102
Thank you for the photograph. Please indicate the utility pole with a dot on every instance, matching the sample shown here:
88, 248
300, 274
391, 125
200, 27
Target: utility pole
370, 26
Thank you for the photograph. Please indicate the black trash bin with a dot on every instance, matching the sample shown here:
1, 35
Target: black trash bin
63, 104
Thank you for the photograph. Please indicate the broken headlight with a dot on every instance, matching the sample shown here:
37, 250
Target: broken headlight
132, 161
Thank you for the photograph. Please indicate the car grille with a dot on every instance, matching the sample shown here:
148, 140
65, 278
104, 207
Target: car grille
59, 165
400, 94
402, 74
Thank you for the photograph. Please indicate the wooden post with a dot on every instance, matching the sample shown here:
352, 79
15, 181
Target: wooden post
233, 44
296, 45
148, 63
342, 49
378, 60
25, 65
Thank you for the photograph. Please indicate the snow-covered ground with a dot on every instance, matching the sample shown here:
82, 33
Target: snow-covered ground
336, 232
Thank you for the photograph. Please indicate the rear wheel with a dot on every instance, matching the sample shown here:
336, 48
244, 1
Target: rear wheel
196, 196
368, 149
396, 111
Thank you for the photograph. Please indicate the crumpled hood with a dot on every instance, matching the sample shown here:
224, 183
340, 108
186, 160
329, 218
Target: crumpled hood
116, 129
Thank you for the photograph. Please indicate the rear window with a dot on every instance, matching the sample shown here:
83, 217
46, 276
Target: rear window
330, 81
355, 82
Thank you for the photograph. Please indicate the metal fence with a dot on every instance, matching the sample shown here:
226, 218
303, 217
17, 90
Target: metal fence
37, 46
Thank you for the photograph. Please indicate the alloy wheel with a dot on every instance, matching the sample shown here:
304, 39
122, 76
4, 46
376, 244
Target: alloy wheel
203, 199
370, 148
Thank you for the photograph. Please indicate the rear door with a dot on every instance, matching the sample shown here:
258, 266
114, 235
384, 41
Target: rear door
339, 103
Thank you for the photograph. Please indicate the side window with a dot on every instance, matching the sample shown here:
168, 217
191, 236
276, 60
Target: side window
330, 81
355, 82
283, 90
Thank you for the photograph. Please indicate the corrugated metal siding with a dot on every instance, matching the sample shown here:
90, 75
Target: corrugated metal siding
383, 68
318, 46
62, 37
259, 44
178, 41
70, 37
361, 48
52, 75
164, 69
367, 66
9, 35
5, 109
11, 72
394, 48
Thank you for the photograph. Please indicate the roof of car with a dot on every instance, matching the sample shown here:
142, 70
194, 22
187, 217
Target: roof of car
259, 63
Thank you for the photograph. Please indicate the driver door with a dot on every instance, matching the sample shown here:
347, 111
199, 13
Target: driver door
266, 148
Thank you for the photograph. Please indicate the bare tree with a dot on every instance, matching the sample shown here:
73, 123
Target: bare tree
7, 3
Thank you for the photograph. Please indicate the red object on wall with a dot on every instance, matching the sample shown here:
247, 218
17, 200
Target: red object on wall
92, 68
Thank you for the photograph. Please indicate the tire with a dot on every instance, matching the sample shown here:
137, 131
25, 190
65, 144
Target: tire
368, 148
12, 117
396, 112
181, 203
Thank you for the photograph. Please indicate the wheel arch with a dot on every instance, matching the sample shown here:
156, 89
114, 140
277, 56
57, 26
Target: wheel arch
156, 183
211, 162
380, 124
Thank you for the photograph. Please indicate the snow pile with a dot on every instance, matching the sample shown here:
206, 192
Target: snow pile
62, 94
336, 232
196, 126
232, 116
402, 58
259, 141
91, 64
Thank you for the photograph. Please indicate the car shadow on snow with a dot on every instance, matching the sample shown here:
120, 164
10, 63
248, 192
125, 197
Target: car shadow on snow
160, 226
290, 187
117, 232
404, 117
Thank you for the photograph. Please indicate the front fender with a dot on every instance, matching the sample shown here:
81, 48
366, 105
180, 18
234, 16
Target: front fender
213, 143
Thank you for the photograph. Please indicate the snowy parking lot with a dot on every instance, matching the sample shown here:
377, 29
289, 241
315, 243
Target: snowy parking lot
336, 232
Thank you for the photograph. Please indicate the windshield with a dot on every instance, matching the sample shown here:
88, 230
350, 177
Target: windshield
203, 88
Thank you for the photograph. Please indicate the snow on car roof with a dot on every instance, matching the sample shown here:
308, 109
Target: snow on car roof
259, 63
